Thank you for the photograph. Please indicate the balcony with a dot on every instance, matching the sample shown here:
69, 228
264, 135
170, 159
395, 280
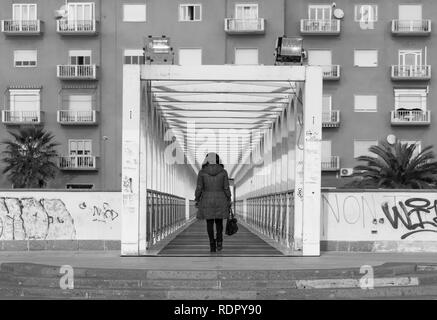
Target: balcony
331, 163
411, 27
77, 72
331, 119
331, 72
77, 27
21, 117
404, 72
410, 117
320, 27
68, 117
78, 163
21, 27
244, 26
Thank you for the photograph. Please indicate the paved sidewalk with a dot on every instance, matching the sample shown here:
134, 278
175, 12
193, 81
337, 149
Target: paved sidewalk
112, 259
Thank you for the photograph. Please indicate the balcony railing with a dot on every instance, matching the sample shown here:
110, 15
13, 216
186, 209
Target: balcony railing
331, 119
411, 27
77, 72
21, 117
69, 117
78, 163
21, 27
165, 215
268, 215
331, 72
76, 27
244, 26
410, 117
331, 164
405, 72
320, 27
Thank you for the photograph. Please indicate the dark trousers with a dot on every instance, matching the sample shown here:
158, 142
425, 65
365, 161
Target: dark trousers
219, 229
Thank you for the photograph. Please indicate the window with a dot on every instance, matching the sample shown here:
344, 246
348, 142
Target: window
361, 148
319, 57
246, 11
365, 103
410, 57
80, 57
410, 99
79, 103
410, 12
366, 58
134, 13
25, 58
79, 147
79, 186
326, 104
24, 12
190, 12
246, 56
366, 13
326, 150
24, 100
81, 11
134, 56
319, 12
190, 57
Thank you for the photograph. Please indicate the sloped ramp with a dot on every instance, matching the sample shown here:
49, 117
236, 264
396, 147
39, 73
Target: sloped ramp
193, 241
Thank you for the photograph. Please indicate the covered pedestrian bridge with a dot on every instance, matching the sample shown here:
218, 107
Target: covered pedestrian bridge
263, 121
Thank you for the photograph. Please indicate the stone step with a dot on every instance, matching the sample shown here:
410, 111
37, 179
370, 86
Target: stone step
211, 294
36, 270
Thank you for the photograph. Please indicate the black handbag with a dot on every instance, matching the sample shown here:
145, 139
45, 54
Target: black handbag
231, 224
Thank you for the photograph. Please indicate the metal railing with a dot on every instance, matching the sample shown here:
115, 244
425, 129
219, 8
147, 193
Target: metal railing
331, 118
76, 26
316, 26
244, 25
21, 26
411, 26
72, 117
77, 163
165, 215
411, 117
18, 117
331, 72
268, 215
411, 72
331, 163
77, 71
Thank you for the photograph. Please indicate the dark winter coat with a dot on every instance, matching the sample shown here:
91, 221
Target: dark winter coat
212, 193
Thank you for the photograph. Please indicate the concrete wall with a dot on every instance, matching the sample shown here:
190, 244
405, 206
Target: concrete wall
403, 221
59, 219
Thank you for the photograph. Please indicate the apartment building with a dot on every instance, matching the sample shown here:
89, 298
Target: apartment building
66, 74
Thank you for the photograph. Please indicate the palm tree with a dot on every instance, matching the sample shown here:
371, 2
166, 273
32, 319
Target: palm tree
29, 158
397, 167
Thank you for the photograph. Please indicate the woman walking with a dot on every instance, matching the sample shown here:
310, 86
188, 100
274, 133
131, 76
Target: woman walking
213, 198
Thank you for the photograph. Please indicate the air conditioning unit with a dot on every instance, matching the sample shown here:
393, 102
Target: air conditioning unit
346, 172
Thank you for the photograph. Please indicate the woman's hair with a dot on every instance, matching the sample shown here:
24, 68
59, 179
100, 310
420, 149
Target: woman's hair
212, 158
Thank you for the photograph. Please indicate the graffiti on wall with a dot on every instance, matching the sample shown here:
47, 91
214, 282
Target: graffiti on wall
415, 214
367, 216
32, 219
104, 213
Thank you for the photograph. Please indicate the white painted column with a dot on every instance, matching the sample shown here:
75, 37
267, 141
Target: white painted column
131, 188
312, 160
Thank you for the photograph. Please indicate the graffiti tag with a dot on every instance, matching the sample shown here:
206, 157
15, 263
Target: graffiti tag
101, 214
415, 214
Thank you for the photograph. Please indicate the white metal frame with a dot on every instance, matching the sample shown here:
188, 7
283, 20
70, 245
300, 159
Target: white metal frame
366, 110
144, 129
137, 4
28, 66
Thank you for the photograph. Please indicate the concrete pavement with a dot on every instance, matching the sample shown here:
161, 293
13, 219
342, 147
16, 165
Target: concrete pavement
112, 259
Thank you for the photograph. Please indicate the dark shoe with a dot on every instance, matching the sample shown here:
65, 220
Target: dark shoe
219, 245
212, 246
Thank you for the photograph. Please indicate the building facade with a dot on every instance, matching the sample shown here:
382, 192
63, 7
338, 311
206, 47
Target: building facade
66, 73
